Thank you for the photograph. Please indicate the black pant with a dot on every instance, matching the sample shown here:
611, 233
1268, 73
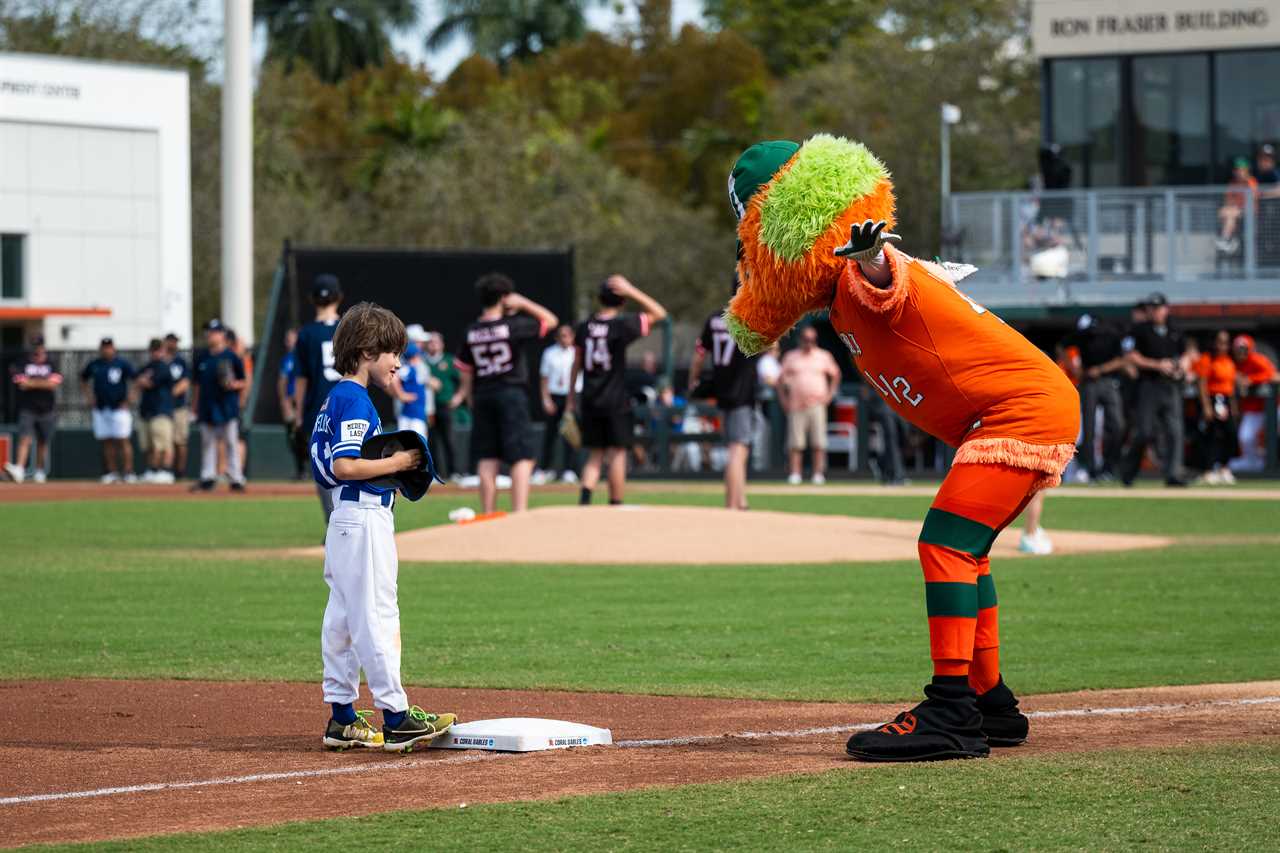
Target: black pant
1102, 393
298, 442
1222, 437
891, 467
1159, 420
440, 438
550, 437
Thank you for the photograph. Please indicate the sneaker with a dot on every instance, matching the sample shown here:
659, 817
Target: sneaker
539, 478
1224, 474
418, 726
1002, 722
359, 733
1176, 483
503, 481
947, 724
163, 477
203, 486
819, 480
131, 477
1211, 478
39, 476
148, 476
109, 477
238, 488
15, 472
1037, 543
794, 480
568, 477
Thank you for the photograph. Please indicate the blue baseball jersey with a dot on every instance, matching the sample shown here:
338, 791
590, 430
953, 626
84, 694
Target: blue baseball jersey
413, 379
110, 378
218, 404
346, 418
178, 371
289, 370
313, 361
158, 399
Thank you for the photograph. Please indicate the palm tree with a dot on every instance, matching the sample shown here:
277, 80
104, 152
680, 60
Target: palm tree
334, 37
504, 30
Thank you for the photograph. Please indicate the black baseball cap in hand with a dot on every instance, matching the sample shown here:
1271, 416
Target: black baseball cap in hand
412, 484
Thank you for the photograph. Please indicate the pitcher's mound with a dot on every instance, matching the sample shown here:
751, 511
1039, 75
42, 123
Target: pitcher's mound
689, 535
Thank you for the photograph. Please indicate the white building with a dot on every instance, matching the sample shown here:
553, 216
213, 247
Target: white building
95, 203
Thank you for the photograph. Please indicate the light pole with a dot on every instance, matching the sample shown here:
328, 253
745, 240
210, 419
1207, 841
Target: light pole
237, 170
949, 115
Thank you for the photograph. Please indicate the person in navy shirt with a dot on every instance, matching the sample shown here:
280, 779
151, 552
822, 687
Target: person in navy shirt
361, 628
219, 379
156, 408
314, 370
180, 372
286, 386
105, 382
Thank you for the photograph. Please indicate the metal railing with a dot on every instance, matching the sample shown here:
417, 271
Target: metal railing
1067, 247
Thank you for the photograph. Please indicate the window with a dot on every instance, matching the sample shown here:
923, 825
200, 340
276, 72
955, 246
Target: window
1170, 97
1085, 119
1248, 105
11, 266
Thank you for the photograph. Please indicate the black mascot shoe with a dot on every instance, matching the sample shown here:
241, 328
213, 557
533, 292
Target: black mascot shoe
947, 724
1002, 722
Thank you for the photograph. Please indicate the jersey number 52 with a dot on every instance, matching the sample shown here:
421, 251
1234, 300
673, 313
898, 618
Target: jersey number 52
492, 358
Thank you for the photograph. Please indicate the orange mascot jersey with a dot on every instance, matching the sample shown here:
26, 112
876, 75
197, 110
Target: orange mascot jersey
955, 370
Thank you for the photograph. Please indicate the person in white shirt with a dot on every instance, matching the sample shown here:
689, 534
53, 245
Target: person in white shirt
556, 370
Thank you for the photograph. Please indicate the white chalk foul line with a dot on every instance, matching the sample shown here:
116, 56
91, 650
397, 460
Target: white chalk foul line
624, 744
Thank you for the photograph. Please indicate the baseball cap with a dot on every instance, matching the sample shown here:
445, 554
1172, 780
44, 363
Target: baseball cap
416, 332
326, 286
106, 342
214, 325
1156, 299
37, 341
608, 297
1240, 163
1268, 149
412, 351
755, 168
1085, 322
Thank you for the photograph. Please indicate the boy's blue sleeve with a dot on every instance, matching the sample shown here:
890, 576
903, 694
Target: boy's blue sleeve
351, 424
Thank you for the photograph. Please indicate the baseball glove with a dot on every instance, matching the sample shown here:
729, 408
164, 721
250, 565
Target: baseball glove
570, 431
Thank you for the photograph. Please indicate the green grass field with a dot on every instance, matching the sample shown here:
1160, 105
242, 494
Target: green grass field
152, 589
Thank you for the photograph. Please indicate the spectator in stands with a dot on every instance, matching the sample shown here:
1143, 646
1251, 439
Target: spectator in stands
554, 374
219, 379
445, 370
1157, 349
286, 386
156, 411
106, 385
179, 371
1242, 191
37, 380
1103, 363
1253, 370
1219, 408
1266, 173
1268, 206
413, 385
237, 346
810, 377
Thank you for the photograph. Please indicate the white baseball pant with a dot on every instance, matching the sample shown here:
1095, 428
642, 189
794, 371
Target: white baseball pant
210, 435
362, 620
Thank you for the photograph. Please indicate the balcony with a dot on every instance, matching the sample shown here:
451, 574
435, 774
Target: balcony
1113, 246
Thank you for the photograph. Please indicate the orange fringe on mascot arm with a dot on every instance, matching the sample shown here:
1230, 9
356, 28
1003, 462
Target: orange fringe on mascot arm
813, 228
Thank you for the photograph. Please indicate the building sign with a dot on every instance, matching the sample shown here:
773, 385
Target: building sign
38, 88
1111, 27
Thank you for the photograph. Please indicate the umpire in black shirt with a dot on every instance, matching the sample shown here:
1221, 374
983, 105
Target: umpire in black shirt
1156, 351
1103, 363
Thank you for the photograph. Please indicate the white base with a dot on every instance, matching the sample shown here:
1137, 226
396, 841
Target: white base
521, 734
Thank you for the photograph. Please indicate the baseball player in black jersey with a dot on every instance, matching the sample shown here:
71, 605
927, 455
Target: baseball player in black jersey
733, 384
495, 375
601, 342
314, 368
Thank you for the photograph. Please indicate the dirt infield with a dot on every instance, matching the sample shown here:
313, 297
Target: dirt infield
154, 757
699, 536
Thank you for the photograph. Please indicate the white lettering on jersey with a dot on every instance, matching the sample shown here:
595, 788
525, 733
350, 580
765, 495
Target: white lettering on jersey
353, 430
326, 356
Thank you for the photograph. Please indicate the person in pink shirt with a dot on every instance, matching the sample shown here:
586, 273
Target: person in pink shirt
810, 377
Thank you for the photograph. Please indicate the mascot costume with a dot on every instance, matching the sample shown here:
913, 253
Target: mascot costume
813, 224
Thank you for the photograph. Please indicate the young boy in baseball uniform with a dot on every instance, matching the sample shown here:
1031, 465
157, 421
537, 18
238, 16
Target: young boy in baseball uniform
812, 223
361, 628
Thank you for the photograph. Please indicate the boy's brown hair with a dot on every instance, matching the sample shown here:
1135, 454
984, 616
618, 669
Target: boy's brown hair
367, 330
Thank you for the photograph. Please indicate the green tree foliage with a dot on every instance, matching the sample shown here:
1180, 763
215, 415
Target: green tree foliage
334, 37
886, 91
794, 34
506, 30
